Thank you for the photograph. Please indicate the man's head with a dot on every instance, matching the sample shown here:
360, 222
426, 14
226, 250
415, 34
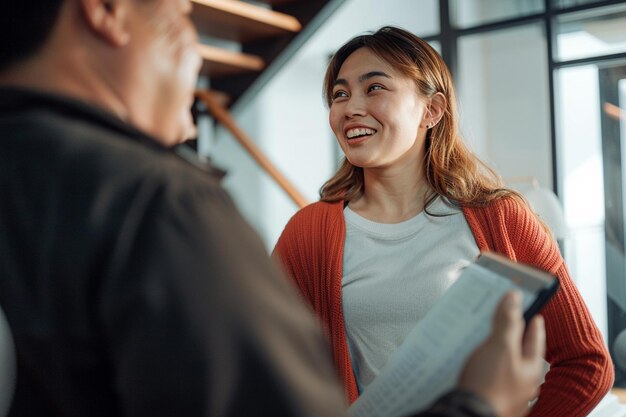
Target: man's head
24, 30
137, 58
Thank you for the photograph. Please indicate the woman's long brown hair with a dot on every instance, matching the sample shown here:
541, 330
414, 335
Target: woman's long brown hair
451, 169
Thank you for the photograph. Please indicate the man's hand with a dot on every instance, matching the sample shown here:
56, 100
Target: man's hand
506, 369
187, 129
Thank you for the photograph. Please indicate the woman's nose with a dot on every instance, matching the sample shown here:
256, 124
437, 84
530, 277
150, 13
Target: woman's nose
355, 106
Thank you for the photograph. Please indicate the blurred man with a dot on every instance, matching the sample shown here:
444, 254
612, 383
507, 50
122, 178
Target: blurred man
131, 284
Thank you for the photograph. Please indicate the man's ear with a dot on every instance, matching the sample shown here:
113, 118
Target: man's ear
436, 109
107, 18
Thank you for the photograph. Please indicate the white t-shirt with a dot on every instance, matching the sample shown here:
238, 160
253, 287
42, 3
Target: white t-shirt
393, 274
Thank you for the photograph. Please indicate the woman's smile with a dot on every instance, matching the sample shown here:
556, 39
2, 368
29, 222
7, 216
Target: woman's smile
358, 134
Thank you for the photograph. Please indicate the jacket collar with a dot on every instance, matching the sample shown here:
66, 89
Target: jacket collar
16, 100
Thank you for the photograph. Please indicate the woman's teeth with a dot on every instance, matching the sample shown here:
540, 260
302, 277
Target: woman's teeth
353, 133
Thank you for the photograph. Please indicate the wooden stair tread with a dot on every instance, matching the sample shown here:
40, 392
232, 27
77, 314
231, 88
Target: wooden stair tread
219, 62
236, 20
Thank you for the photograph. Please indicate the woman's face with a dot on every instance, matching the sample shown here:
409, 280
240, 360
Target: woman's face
377, 114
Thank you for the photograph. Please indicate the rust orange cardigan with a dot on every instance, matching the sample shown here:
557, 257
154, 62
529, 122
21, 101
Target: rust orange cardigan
310, 250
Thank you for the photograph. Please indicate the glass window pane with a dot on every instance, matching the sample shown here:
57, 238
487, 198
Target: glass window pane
591, 139
436, 46
581, 182
561, 4
467, 13
504, 101
590, 33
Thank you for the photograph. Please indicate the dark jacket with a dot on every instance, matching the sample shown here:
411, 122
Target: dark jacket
133, 287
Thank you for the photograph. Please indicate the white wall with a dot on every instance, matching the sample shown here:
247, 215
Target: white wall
503, 92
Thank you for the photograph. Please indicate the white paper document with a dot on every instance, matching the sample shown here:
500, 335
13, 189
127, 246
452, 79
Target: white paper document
610, 406
429, 361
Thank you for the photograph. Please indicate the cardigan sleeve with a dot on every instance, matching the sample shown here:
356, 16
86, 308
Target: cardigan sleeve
310, 250
290, 254
581, 371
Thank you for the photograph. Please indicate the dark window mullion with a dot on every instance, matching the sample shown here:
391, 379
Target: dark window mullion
449, 37
550, 52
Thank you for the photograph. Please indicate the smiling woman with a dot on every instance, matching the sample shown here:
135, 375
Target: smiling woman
376, 113
399, 66
409, 204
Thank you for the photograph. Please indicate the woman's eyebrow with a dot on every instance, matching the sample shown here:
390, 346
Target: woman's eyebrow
362, 78
373, 74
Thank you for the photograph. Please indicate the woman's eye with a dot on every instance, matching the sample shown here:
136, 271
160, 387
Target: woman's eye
374, 87
339, 94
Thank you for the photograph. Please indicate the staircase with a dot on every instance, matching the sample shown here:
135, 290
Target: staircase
239, 42
240, 39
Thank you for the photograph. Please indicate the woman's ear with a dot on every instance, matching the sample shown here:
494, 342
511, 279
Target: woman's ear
107, 18
436, 109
